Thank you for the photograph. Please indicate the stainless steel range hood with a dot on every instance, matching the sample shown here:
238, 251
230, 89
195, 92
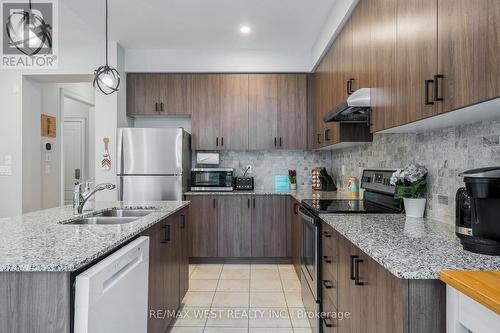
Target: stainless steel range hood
356, 109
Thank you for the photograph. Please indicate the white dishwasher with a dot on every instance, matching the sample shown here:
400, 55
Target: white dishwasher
112, 295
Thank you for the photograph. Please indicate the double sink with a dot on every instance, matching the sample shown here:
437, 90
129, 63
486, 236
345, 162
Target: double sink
113, 216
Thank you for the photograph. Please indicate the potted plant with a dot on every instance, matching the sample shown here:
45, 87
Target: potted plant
411, 186
292, 178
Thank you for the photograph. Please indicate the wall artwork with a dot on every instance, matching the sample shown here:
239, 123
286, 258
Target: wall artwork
48, 124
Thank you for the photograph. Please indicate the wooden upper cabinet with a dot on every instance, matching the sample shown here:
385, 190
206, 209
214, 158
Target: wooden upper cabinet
361, 25
174, 94
205, 111
468, 52
263, 111
143, 94
234, 111
292, 111
416, 59
383, 93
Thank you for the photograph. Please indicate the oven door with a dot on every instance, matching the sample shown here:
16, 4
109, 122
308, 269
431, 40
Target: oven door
310, 266
211, 180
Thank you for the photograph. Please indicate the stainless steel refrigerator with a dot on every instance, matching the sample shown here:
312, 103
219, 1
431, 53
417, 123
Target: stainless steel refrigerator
153, 163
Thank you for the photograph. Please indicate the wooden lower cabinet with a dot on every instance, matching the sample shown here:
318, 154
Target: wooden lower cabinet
376, 300
168, 268
238, 226
203, 226
234, 226
268, 226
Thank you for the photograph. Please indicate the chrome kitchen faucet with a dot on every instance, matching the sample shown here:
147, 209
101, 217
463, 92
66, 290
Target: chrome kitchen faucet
80, 199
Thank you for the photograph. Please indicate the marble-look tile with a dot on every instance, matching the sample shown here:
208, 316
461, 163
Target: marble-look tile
225, 330
198, 299
294, 299
298, 318
270, 329
233, 285
265, 274
177, 329
291, 285
267, 300
235, 274
223, 317
191, 317
228, 299
202, 285
270, 318
265, 285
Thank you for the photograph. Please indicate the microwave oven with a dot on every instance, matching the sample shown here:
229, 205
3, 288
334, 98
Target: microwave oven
211, 179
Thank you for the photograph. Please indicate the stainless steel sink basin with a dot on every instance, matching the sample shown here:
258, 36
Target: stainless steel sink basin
103, 220
113, 216
126, 212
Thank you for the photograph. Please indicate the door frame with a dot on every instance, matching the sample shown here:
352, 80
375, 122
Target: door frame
83, 148
64, 93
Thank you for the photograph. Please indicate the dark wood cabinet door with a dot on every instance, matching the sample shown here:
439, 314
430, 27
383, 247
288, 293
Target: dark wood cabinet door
234, 111
203, 226
184, 241
205, 110
158, 261
262, 111
362, 22
143, 94
468, 49
416, 59
172, 245
292, 111
234, 226
348, 293
383, 93
268, 226
173, 89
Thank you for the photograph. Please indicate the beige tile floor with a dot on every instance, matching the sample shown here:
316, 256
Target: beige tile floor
242, 298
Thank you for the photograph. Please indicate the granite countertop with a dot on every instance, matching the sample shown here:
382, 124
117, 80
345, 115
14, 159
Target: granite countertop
299, 194
409, 248
38, 242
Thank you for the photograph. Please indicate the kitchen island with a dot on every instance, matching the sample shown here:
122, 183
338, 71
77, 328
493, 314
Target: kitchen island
42, 252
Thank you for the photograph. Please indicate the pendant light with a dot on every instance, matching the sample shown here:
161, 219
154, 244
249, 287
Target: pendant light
28, 32
106, 78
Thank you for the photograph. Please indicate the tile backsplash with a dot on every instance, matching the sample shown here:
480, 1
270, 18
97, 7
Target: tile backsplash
445, 152
267, 164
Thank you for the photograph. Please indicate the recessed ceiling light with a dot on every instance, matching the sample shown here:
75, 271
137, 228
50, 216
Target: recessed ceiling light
245, 29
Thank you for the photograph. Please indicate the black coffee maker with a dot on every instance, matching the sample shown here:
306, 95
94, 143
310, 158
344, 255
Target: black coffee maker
478, 211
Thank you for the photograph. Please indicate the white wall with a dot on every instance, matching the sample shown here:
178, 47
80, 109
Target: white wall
31, 148
217, 60
81, 50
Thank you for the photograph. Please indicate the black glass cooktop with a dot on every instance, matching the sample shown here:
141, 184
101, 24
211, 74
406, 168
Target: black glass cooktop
323, 206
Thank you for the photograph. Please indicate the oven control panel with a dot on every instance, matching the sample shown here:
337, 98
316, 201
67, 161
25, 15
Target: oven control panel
378, 181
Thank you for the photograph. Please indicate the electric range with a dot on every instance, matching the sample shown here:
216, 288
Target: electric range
378, 198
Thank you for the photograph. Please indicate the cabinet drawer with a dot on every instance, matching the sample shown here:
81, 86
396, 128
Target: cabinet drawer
329, 321
329, 289
329, 238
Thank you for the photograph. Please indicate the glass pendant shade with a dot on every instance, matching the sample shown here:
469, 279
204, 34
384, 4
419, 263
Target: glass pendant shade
106, 79
28, 32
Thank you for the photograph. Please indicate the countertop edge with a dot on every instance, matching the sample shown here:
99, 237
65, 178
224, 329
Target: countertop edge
453, 279
65, 268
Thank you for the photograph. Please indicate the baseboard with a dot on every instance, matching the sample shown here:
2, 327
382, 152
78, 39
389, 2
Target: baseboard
284, 260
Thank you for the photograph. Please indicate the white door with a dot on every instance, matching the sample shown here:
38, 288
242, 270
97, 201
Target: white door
73, 154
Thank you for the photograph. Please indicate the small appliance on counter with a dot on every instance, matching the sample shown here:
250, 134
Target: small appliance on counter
244, 183
477, 210
212, 179
322, 181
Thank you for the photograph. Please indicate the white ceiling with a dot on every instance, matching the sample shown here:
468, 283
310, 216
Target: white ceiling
183, 24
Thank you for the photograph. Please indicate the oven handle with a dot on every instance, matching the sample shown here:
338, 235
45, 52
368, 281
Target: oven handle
305, 216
